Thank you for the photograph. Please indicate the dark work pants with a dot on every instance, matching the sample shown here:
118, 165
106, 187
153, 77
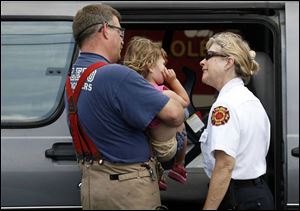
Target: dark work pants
248, 195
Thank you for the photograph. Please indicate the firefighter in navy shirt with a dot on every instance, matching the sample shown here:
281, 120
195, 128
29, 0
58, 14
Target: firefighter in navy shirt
114, 113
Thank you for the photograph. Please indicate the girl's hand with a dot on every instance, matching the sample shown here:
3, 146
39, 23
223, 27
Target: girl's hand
169, 75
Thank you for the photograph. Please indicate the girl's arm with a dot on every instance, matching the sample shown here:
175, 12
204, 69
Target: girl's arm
175, 85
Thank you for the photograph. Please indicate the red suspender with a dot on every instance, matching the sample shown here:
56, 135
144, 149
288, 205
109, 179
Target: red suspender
84, 147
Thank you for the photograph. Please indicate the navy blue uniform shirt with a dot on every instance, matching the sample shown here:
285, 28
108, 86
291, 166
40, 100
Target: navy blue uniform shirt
115, 106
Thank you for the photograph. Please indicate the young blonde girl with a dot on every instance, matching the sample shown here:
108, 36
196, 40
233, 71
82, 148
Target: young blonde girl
149, 59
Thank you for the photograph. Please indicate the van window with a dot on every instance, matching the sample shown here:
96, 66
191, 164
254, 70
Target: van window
35, 58
185, 45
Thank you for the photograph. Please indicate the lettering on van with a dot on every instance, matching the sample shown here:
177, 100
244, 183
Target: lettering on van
188, 48
190, 43
88, 86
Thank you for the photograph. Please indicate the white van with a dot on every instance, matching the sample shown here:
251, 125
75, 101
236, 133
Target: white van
38, 167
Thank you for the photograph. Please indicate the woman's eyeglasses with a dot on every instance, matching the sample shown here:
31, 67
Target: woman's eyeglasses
211, 54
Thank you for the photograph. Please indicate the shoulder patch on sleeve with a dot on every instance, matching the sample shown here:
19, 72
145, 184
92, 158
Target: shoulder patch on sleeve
220, 116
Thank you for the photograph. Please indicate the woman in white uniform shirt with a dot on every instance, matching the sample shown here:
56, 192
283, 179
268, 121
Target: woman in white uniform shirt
236, 140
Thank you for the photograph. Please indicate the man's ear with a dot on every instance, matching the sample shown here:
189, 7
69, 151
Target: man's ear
105, 31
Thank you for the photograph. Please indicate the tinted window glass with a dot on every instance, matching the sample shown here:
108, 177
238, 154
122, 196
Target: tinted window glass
185, 45
35, 57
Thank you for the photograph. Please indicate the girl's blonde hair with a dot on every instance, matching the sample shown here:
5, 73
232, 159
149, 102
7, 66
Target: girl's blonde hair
142, 53
233, 45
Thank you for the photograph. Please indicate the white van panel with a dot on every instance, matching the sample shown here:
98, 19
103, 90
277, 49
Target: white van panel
292, 100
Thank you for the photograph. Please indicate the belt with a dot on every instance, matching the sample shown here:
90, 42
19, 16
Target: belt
248, 182
130, 175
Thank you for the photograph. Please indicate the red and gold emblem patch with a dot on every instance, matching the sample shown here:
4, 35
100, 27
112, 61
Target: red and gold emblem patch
220, 116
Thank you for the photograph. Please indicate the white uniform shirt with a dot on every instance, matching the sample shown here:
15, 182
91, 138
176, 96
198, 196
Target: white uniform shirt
239, 126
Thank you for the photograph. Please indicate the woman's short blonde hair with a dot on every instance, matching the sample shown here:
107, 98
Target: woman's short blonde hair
142, 53
233, 45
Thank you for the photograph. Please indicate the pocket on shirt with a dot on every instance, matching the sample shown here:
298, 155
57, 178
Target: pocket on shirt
203, 137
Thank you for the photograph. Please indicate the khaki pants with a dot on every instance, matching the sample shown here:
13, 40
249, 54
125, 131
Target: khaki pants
131, 189
165, 150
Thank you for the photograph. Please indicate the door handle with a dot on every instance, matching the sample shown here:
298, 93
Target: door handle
61, 151
295, 152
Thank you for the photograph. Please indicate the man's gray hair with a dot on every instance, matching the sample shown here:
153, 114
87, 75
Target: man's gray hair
88, 19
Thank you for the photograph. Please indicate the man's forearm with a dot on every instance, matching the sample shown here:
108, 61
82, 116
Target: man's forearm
172, 114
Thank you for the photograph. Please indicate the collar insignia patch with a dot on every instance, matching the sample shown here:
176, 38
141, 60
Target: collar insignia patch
220, 116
